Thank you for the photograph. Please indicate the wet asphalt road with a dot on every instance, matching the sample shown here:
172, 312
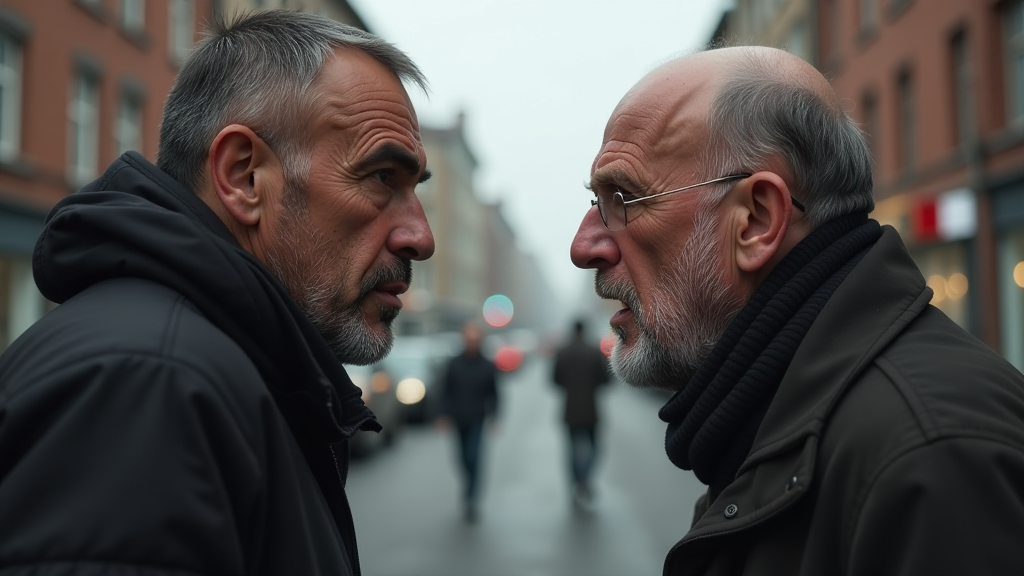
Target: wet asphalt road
406, 499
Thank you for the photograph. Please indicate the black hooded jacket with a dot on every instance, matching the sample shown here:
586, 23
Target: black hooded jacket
177, 413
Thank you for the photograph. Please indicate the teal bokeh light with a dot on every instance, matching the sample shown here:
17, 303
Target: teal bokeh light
498, 310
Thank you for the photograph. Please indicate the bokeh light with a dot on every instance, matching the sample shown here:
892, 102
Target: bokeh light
498, 310
508, 358
1018, 274
608, 344
937, 283
411, 391
957, 286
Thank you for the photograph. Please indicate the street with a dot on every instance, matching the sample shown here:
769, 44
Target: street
409, 522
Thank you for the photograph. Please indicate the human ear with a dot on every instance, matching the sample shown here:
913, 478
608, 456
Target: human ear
764, 220
242, 168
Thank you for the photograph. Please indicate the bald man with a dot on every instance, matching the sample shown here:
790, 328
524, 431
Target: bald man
842, 424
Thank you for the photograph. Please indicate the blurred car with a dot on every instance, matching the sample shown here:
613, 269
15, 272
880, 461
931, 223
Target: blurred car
416, 363
378, 391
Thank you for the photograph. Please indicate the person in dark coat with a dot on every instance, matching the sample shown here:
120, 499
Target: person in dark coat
580, 369
842, 424
469, 399
185, 410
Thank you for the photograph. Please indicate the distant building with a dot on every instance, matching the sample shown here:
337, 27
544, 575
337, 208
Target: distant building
476, 252
80, 82
339, 10
938, 86
787, 24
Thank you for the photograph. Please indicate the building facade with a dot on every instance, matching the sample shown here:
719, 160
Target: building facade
787, 24
339, 10
938, 87
476, 252
80, 82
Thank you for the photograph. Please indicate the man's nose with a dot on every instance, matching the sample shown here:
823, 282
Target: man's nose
594, 246
412, 238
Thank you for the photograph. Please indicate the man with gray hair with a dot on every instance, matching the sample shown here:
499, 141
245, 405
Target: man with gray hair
842, 424
185, 409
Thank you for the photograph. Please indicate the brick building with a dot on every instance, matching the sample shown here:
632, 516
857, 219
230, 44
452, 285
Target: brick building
938, 85
80, 82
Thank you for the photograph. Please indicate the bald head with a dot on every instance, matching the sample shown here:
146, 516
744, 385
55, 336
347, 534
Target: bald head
749, 108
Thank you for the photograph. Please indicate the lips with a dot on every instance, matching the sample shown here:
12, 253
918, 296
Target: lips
389, 293
620, 317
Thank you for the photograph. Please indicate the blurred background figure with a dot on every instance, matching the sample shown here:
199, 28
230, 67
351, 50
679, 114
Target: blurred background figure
580, 368
469, 397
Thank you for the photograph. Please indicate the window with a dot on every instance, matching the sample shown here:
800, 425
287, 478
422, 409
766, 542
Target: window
182, 31
963, 92
896, 7
133, 15
83, 128
906, 118
128, 124
10, 97
1013, 25
868, 16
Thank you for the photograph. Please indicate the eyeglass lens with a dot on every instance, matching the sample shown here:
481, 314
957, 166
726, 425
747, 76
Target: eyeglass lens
612, 210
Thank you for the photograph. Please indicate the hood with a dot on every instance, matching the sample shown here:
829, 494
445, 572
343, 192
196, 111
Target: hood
136, 221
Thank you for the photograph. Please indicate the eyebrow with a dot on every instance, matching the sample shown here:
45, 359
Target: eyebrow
614, 178
394, 153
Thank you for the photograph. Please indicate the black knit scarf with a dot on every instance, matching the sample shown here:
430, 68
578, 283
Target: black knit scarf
713, 419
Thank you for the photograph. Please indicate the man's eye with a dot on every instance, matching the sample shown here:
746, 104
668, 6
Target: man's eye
382, 176
626, 196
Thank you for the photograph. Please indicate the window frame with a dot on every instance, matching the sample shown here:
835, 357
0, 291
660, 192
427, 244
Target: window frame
83, 141
181, 29
12, 86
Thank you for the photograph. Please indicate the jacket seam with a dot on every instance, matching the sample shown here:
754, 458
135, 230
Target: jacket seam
107, 177
808, 427
205, 377
173, 320
861, 500
914, 403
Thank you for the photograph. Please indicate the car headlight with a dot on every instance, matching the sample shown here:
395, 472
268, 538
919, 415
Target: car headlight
411, 391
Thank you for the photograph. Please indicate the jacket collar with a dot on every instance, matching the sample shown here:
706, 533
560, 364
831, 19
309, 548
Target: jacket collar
876, 302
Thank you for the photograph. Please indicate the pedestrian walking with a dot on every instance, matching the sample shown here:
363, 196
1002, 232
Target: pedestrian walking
469, 400
580, 369
185, 409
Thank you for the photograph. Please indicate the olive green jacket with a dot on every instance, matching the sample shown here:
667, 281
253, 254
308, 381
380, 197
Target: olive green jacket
894, 445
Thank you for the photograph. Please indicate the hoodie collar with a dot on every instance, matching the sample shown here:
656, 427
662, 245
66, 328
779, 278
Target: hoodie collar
136, 221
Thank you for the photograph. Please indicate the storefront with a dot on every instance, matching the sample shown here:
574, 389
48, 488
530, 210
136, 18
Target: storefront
939, 232
1008, 218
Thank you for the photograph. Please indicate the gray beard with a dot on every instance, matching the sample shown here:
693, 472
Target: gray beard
303, 272
685, 319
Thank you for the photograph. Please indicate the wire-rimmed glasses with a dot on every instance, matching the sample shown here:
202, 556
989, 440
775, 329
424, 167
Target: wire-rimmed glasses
612, 208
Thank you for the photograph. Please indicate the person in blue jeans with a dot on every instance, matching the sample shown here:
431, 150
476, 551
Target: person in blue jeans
469, 399
580, 368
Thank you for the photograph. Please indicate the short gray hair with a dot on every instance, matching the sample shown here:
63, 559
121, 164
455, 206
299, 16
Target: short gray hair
258, 70
758, 113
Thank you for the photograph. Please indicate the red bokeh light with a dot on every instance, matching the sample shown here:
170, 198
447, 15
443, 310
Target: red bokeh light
508, 358
607, 343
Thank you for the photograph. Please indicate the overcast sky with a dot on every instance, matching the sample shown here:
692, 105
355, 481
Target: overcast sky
537, 80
